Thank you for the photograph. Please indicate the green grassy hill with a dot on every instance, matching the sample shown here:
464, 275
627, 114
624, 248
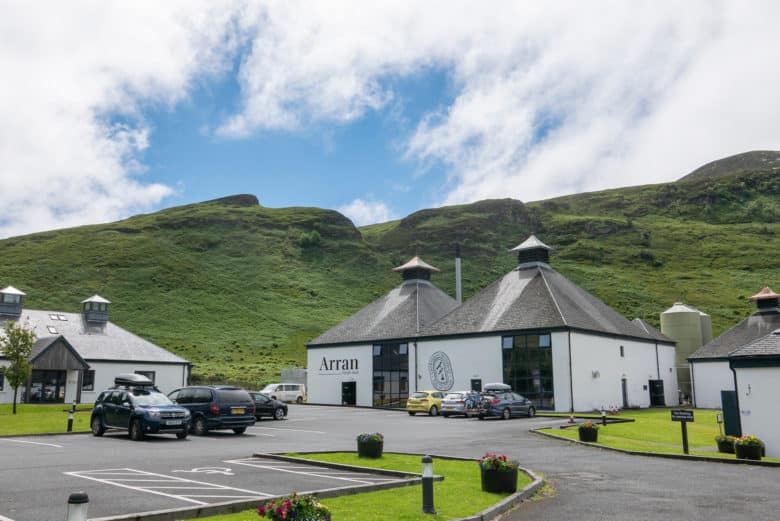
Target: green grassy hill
238, 288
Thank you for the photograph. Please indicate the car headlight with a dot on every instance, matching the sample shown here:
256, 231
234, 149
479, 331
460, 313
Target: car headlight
186, 413
154, 413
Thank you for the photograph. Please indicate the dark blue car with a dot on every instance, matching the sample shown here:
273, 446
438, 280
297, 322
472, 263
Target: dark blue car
135, 405
505, 404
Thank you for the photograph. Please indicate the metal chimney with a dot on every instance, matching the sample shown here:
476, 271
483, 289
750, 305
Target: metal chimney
458, 285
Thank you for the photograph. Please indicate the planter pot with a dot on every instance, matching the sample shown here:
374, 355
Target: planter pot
589, 435
370, 449
499, 480
748, 451
726, 446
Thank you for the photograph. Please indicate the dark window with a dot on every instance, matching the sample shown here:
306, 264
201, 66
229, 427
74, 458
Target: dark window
148, 374
391, 374
201, 396
11, 299
2, 378
622, 351
232, 396
88, 383
527, 367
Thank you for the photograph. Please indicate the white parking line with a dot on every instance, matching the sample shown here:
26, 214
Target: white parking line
324, 473
32, 443
116, 478
290, 430
3, 518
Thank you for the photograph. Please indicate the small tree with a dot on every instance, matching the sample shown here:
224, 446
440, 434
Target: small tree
16, 345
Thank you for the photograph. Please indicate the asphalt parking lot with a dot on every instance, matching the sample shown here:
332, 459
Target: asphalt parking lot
38, 473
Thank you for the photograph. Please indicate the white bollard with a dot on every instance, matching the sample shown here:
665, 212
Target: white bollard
77, 506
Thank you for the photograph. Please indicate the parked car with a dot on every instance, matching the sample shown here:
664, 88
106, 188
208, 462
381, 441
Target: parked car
456, 403
214, 408
267, 406
425, 401
505, 404
134, 404
286, 392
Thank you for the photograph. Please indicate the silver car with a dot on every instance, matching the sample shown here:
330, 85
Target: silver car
456, 403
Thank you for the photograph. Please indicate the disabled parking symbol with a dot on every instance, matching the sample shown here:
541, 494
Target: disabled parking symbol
209, 470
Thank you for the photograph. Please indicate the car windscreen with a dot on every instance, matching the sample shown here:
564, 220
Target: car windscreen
233, 396
147, 398
269, 388
420, 395
454, 396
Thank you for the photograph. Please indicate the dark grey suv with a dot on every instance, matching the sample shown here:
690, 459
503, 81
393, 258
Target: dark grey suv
134, 404
219, 407
505, 405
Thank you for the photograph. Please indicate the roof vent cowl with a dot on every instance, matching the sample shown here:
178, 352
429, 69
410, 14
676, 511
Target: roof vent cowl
11, 301
95, 309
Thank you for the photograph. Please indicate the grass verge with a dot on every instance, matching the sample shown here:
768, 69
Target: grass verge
41, 419
459, 495
654, 432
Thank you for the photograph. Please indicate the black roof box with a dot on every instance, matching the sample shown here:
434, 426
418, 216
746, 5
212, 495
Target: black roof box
135, 380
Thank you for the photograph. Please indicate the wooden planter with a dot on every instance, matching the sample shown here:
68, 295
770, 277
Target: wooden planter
370, 449
589, 435
499, 480
726, 446
748, 451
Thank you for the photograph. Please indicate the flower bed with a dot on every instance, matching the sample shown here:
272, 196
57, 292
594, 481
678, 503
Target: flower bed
725, 443
498, 473
370, 445
299, 508
589, 432
749, 447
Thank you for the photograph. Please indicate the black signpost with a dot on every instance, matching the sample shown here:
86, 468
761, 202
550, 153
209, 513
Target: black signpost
683, 417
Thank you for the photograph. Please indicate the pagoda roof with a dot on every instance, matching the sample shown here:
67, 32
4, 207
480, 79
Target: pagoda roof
531, 243
96, 299
10, 290
416, 263
765, 294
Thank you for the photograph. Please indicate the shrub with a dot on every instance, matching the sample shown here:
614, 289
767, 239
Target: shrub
294, 507
589, 425
491, 461
748, 440
373, 436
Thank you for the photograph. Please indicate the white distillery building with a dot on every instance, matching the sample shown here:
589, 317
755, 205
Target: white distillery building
532, 329
756, 369
710, 372
77, 355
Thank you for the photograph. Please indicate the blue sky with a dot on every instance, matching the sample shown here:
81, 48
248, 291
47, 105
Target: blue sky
376, 110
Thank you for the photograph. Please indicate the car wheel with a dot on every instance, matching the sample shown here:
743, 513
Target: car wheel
433, 411
136, 432
182, 435
481, 416
278, 414
299, 400
411, 413
199, 428
531, 412
97, 426
445, 415
239, 430
506, 414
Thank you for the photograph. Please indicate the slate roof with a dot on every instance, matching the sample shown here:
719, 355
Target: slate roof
768, 345
94, 342
10, 290
650, 330
393, 316
536, 297
755, 326
531, 243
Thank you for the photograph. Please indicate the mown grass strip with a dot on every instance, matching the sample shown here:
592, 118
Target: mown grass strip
41, 419
654, 432
459, 495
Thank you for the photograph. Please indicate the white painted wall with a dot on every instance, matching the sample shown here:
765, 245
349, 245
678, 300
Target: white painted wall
471, 357
667, 356
599, 369
560, 347
758, 388
709, 379
324, 385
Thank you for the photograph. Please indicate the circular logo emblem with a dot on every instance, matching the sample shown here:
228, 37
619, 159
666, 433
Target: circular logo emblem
440, 369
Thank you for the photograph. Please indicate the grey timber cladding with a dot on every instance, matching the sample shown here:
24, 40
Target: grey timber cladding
755, 326
105, 341
536, 297
392, 316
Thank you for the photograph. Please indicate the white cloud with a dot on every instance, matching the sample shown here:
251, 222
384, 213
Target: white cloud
363, 212
75, 76
549, 99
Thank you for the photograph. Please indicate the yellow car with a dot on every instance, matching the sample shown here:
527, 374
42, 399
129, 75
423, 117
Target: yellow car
425, 401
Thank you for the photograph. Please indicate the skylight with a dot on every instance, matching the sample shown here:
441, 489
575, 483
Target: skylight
52, 330
63, 318
53, 316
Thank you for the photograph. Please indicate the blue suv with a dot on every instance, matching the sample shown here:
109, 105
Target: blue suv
134, 404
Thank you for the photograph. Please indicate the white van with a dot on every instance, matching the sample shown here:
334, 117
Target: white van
286, 392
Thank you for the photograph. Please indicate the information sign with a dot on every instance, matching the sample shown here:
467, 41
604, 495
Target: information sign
682, 416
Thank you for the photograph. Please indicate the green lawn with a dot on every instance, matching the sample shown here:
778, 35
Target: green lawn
459, 495
653, 431
38, 419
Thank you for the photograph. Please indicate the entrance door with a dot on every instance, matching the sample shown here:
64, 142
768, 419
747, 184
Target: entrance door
348, 393
731, 420
476, 385
624, 385
47, 386
657, 393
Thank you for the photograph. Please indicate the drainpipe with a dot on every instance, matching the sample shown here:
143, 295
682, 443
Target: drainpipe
693, 384
458, 284
571, 379
415, 366
736, 392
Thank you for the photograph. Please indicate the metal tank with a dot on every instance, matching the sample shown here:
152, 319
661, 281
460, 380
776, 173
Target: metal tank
691, 329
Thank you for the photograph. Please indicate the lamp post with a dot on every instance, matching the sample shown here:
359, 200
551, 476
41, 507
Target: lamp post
603, 416
70, 417
77, 506
427, 485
